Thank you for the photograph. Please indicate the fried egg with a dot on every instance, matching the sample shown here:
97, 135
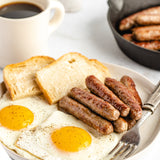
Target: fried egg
17, 116
63, 137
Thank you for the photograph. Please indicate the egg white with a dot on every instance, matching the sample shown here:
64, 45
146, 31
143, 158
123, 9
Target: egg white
38, 142
41, 110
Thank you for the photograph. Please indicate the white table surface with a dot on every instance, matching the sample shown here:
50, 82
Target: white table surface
88, 32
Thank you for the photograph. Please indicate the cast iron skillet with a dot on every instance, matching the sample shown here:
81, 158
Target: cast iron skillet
119, 9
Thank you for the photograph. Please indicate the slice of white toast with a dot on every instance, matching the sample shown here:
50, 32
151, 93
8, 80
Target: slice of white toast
70, 70
19, 78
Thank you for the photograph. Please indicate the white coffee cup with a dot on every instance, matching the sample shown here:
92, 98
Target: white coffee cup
23, 38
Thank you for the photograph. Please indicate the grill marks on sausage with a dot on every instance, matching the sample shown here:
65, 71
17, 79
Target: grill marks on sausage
99, 89
95, 103
84, 114
126, 96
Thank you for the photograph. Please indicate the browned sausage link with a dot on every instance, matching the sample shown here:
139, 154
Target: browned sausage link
128, 36
146, 33
120, 125
84, 114
95, 103
129, 83
129, 22
126, 96
99, 89
148, 19
153, 45
131, 122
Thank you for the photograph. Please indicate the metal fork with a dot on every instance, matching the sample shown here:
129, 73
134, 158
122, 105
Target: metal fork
131, 139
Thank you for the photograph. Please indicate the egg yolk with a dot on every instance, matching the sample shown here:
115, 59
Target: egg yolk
16, 117
71, 139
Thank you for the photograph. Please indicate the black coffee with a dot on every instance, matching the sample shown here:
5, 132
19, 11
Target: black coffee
19, 10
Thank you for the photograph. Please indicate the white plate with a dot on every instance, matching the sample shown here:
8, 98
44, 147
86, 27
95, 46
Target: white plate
149, 130
151, 127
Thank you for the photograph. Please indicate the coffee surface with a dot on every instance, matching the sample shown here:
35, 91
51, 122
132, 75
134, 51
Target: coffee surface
19, 10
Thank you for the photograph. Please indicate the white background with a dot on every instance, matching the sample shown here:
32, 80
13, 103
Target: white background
88, 32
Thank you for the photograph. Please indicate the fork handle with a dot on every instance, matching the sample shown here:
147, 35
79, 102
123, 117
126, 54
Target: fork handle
153, 99
151, 105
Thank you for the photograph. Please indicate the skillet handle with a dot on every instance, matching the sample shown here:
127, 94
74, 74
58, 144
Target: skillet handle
116, 5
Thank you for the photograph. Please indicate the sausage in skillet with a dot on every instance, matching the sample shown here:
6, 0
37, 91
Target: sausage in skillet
128, 36
146, 33
95, 103
148, 19
99, 89
153, 45
84, 114
126, 96
128, 22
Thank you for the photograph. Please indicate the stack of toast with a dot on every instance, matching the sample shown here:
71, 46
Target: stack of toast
53, 78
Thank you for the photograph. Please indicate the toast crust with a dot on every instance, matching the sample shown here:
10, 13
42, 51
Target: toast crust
71, 58
13, 71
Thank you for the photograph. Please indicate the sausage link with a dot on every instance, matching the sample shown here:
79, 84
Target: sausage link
131, 122
120, 125
128, 36
129, 22
153, 45
129, 83
148, 19
146, 33
126, 96
95, 103
84, 114
99, 89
